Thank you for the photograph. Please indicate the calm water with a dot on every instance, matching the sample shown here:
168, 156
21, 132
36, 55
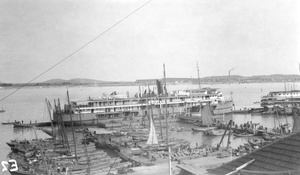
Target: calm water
28, 105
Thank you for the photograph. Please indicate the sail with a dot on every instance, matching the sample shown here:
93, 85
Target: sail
206, 116
152, 139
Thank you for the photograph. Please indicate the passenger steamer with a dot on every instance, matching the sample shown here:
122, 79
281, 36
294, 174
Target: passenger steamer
116, 108
280, 98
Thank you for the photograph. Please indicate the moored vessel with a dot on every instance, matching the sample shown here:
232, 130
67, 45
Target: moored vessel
116, 108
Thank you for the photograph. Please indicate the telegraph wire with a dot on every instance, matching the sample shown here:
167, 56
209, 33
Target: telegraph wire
86, 44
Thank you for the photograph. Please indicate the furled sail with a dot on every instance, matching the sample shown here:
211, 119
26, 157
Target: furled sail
206, 116
152, 139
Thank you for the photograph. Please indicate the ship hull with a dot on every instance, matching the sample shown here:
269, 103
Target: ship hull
115, 119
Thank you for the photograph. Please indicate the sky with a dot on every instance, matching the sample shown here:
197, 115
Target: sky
255, 37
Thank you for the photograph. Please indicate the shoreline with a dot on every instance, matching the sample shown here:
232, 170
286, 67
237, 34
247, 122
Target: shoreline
42, 85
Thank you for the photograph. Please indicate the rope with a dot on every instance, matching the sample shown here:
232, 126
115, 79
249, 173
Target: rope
80, 48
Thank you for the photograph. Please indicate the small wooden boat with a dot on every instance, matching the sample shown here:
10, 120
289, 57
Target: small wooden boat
20, 172
10, 144
19, 125
7, 123
203, 129
216, 132
270, 137
243, 135
41, 124
258, 143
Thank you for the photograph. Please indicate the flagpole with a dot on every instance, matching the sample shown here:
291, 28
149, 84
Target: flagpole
166, 115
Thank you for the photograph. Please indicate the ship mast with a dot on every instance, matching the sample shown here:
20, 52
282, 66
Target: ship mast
199, 90
85, 148
285, 104
51, 122
198, 76
166, 115
70, 111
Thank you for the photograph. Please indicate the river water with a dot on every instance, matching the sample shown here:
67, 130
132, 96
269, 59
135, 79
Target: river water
28, 104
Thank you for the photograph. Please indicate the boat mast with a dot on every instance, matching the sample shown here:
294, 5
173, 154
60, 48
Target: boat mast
147, 105
198, 76
199, 89
59, 127
166, 115
63, 126
85, 148
161, 133
70, 111
151, 107
48, 106
285, 105
39, 143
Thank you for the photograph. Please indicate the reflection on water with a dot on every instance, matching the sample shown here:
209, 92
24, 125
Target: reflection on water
20, 130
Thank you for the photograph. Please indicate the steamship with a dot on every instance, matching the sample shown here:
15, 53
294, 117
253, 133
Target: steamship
116, 108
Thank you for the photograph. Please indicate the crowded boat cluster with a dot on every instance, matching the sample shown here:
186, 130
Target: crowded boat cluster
52, 156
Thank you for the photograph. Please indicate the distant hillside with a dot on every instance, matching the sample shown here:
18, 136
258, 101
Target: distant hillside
210, 79
204, 80
73, 81
232, 79
167, 79
85, 81
277, 76
55, 81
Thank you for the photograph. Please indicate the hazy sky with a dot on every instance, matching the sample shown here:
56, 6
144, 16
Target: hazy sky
258, 37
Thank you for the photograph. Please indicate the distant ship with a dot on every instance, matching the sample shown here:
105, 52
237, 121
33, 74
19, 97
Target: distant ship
281, 97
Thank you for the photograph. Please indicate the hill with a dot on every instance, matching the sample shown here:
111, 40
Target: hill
204, 80
73, 81
55, 81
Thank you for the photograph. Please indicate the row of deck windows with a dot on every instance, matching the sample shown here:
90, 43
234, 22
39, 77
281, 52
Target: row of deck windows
119, 109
